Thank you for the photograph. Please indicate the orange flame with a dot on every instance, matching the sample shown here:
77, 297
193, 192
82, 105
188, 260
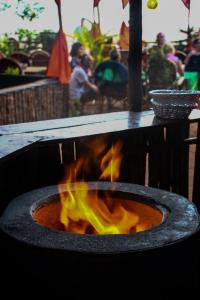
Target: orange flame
110, 164
83, 211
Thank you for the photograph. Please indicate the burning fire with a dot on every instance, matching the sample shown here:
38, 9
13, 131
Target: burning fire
84, 211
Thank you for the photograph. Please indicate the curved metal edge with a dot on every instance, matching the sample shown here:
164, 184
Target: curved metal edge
166, 92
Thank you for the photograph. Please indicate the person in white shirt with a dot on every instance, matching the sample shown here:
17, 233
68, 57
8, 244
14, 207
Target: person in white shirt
81, 89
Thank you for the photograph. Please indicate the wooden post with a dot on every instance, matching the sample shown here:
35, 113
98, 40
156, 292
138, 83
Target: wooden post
60, 15
135, 55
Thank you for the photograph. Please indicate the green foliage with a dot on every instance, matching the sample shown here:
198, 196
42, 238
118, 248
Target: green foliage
191, 34
26, 9
12, 71
46, 39
96, 45
25, 35
7, 44
26, 40
4, 5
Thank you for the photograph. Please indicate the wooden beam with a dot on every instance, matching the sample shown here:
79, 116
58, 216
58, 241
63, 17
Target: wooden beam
135, 55
12, 145
14, 139
60, 16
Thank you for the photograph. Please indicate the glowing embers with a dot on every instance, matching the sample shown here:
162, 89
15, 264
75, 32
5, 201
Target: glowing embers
97, 212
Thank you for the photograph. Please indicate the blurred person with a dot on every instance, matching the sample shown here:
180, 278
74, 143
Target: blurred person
77, 51
192, 67
115, 55
160, 43
160, 40
145, 58
111, 76
162, 73
113, 69
79, 28
107, 47
81, 89
192, 61
169, 52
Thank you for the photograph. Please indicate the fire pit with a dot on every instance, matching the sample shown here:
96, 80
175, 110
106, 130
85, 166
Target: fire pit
53, 234
176, 219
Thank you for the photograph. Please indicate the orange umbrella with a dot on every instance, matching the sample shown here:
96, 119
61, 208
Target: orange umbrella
124, 31
96, 2
186, 3
124, 37
59, 60
124, 3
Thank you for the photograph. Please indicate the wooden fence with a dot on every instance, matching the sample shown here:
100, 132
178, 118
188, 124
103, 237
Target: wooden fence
43, 99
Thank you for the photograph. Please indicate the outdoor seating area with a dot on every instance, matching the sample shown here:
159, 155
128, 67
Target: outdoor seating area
21, 63
163, 66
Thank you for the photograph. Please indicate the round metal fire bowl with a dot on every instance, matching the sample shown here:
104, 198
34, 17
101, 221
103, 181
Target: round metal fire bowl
180, 221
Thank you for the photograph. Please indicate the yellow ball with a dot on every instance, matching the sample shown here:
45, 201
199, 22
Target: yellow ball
152, 4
